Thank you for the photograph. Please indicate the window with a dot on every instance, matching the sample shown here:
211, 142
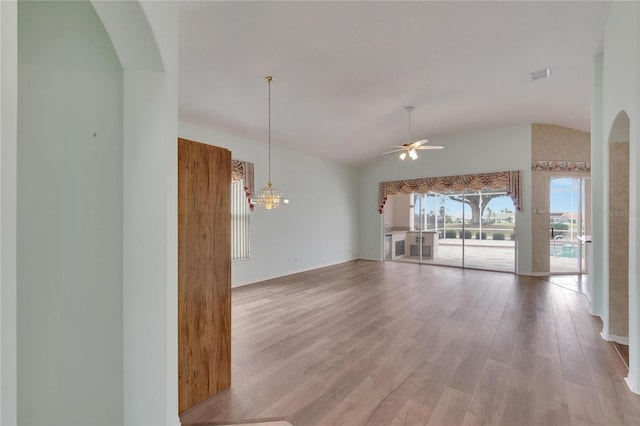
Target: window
239, 221
467, 228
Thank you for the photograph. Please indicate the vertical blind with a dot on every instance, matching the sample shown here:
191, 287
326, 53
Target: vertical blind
239, 221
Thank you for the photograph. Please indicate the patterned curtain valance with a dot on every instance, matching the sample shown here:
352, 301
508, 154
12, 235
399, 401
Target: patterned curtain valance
507, 181
243, 170
560, 166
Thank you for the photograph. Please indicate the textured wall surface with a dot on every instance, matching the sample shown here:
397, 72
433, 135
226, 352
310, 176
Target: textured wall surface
619, 239
551, 142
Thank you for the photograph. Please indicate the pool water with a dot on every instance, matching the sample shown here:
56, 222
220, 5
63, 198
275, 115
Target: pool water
566, 250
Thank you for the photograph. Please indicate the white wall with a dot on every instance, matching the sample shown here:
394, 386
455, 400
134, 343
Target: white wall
145, 35
8, 219
488, 150
621, 91
147, 306
318, 227
145, 344
69, 235
595, 289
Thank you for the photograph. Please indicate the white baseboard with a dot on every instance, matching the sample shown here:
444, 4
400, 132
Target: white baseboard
295, 271
619, 339
540, 274
613, 338
632, 386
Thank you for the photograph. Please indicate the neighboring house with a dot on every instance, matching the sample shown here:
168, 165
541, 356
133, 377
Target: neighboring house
560, 217
88, 205
500, 217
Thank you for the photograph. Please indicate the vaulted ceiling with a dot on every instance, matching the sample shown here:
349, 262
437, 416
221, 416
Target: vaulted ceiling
344, 71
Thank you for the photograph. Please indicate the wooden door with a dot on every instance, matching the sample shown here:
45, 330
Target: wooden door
204, 271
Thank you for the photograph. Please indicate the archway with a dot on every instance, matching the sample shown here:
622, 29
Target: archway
141, 33
144, 36
618, 233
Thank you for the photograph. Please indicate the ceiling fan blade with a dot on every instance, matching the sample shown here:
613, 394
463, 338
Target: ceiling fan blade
395, 150
420, 142
430, 147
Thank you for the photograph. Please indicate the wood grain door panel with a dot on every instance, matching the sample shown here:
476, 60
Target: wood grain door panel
204, 271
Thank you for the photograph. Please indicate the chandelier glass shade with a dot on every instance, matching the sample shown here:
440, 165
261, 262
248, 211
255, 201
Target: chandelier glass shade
269, 197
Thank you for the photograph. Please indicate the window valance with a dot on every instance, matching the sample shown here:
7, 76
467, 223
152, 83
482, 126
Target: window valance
507, 181
560, 166
243, 170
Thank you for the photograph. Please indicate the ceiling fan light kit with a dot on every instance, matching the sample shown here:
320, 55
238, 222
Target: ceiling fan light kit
270, 197
411, 148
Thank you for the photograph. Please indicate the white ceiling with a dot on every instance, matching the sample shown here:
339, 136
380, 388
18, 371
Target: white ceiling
344, 71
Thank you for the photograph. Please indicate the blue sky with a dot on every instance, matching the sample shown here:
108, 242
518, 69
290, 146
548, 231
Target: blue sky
561, 195
560, 199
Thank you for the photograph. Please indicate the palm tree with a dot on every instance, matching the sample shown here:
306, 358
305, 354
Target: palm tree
489, 213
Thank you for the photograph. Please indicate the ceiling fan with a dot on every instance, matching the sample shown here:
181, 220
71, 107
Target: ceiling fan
411, 148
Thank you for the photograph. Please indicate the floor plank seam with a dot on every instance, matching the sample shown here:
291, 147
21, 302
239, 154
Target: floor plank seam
379, 343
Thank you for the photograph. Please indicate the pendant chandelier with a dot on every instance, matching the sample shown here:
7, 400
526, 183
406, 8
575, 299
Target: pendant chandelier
270, 197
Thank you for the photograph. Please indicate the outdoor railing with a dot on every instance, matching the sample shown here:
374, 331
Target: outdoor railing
475, 232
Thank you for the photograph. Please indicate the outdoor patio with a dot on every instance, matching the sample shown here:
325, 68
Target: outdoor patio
490, 255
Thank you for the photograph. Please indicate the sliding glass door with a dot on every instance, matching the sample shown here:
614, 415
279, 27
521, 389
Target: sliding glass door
491, 231
465, 229
449, 245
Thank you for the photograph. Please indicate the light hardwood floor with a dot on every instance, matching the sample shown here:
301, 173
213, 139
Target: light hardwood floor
381, 343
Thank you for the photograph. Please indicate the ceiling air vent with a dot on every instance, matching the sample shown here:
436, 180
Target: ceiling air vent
540, 75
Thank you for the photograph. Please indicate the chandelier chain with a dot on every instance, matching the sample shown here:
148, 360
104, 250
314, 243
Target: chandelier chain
270, 197
269, 78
